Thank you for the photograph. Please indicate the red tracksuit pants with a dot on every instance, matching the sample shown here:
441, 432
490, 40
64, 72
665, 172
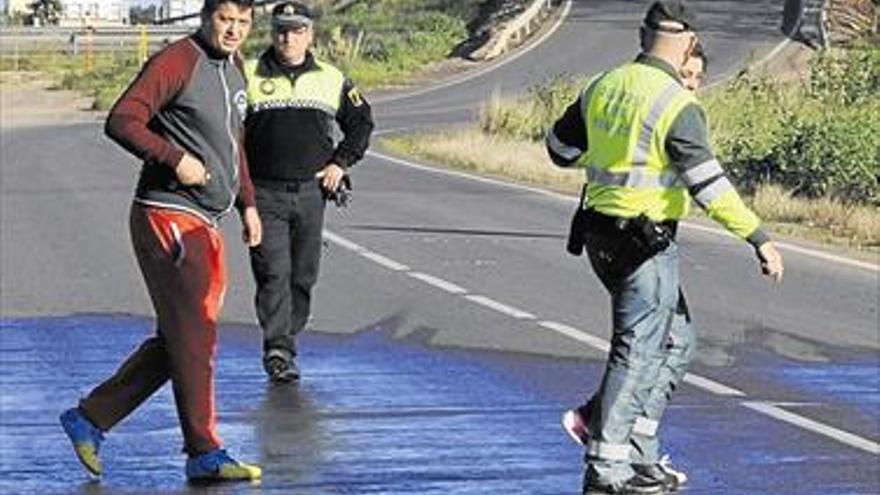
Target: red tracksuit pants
182, 261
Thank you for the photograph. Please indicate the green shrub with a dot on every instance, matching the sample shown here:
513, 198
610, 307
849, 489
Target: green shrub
818, 139
531, 116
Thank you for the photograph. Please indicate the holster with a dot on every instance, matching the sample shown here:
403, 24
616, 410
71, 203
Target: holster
577, 232
628, 242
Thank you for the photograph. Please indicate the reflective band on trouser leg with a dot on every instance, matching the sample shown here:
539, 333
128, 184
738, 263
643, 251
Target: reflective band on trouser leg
645, 427
609, 451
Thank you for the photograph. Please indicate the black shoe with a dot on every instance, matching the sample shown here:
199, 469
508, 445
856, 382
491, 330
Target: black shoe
281, 370
636, 485
672, 477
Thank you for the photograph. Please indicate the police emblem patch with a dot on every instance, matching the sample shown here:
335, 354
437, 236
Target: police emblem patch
267, 87
355, 96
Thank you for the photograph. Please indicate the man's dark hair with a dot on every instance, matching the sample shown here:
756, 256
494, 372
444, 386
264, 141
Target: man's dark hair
211, 5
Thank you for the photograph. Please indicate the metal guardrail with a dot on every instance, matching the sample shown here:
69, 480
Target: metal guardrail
806, 21
514, 31
23, 40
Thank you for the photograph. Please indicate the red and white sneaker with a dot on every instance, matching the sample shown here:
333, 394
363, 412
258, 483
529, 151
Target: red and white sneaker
574, 422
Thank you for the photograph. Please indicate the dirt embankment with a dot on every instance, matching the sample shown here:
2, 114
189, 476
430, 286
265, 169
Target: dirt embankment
26, 100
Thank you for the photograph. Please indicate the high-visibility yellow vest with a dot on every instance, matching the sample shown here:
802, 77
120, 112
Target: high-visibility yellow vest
320, 88
628, 117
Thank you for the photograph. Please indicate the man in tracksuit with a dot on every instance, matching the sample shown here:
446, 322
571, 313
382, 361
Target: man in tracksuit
294, 102
643, 139
183, 116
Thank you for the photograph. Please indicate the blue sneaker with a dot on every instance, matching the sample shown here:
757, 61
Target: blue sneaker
218, 466
86, 439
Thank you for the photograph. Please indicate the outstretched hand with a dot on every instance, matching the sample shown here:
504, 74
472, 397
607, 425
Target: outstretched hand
771, 261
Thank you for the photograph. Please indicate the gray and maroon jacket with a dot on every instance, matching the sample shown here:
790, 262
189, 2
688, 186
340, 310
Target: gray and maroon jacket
188, 98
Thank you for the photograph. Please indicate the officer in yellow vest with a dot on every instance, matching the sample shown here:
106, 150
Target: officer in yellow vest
643, 140
295, 105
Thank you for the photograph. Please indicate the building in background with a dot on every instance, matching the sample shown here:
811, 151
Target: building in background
175, 9
94, 13
14, 7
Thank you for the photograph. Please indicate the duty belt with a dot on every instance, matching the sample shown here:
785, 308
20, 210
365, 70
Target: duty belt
610, 225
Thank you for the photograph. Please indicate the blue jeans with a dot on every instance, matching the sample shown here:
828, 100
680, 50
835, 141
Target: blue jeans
651, 346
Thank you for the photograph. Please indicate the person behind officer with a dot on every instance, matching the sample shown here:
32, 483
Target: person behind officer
693, 72
643, 140
294, 102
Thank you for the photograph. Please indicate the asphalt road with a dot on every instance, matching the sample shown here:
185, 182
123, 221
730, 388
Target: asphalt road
471, 274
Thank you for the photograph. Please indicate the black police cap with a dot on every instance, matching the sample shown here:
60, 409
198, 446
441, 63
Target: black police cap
292, 14
670, 11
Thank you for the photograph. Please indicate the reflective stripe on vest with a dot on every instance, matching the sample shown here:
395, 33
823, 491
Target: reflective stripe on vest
319, 89
629, 115
649, 125
637, 178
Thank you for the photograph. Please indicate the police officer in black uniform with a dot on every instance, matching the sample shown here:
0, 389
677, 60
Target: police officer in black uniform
295, 104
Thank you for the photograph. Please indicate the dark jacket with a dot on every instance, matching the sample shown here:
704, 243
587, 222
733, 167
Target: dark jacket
187, 98
291, 141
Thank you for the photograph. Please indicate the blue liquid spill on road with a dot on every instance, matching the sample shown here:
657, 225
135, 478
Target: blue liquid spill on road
373, 414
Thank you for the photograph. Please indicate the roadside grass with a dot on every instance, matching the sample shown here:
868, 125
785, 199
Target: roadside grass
806, 154
382, 43
471, 149
106, 79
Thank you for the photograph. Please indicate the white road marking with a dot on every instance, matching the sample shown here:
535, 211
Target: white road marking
706, 384
501, 307
342, 242
477, 73
572, 199
438, 282
574, 333
808, 424
386, 262
712, 385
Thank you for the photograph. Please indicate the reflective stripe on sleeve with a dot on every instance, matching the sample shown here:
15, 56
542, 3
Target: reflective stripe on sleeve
709, 193
569, 153
702, 172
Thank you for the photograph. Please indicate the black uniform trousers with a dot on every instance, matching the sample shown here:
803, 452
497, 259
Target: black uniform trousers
285, 264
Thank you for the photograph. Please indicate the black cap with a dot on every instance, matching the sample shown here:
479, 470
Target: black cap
670, 11
292, 15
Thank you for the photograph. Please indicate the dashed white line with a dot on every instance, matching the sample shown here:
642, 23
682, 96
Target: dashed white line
501, 307
342, 242
842, 260
438, 282
711, 386
814, 426
386, 262
574, 333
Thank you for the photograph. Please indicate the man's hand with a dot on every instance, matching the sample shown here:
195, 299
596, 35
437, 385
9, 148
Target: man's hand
771, 261
191, 171
252, 227
331, 177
